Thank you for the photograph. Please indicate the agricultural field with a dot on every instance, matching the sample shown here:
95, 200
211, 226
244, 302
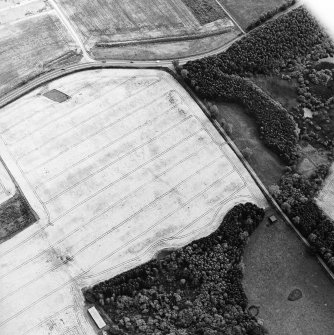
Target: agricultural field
4, 4
33, 41
127, 166
108, 24
246, 12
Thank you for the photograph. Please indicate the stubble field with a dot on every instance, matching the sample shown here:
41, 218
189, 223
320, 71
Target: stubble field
126, 167
32, 41
116, 22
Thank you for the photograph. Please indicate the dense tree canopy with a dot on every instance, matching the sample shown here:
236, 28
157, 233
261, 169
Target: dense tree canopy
295, 48
272, 48
276, 127
269, 48
194, 290
296, 195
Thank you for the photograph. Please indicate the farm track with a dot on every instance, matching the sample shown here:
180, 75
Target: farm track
71, 30
230, 16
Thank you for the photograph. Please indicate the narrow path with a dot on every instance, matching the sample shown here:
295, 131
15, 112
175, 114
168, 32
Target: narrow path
230, 16
71, 31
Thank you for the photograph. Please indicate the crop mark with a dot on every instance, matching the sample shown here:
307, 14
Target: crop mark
69, 113
96, 151
102, 168
162, 241
114, 204
47, 103
123, 156
38, 232
79, 124
115, 251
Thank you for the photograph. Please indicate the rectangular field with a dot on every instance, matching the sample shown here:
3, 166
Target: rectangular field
127, 166
32, 41
247, 11
130, 21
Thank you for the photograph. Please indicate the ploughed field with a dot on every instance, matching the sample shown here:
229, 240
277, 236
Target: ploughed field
119, 22
32, 41
125, 167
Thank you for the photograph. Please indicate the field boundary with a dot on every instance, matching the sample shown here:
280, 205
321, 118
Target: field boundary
70, 29
168, 39
230, 16
62, 59
182, 59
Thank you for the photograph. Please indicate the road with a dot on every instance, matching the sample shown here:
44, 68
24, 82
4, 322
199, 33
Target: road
90, 63
95, 64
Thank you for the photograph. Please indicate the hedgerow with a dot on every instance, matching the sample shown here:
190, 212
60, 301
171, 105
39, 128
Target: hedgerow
194, 290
